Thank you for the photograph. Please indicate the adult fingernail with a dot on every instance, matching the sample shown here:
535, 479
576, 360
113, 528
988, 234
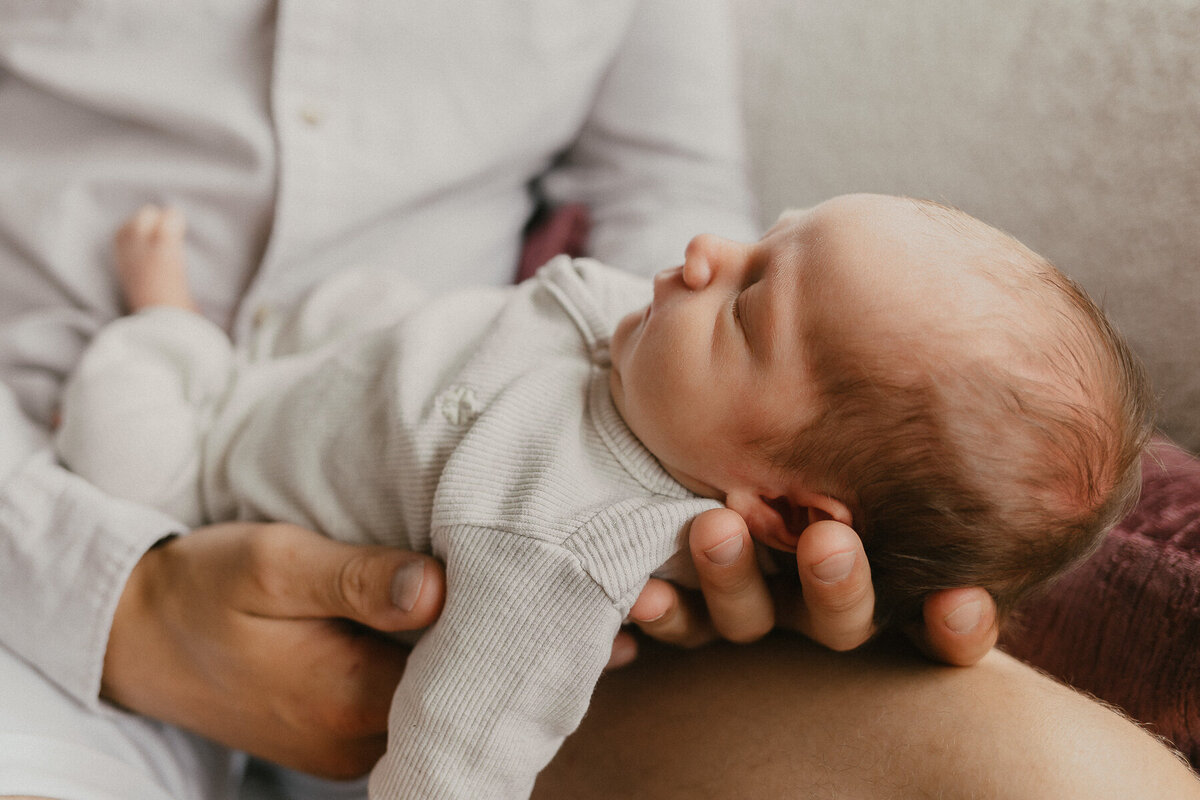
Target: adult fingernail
834, 568
406, 585
650, 618
726, 552
965, 618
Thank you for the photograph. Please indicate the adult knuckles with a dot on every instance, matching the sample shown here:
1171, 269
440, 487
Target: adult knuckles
841, 620
342, 760
347, 720
354, 585
266, 554
839, 600
746, 631
843, 641
732, 582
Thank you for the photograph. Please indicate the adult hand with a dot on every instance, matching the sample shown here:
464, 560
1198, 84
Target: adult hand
833, 602
241, 632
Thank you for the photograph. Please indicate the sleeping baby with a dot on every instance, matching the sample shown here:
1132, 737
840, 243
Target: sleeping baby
890, 363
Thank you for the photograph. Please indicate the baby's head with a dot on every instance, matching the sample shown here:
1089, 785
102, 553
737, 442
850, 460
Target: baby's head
903, 368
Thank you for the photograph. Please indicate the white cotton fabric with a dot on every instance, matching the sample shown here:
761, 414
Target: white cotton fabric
51, 747
479, 427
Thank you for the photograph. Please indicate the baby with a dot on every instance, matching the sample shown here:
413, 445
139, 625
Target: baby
889, 363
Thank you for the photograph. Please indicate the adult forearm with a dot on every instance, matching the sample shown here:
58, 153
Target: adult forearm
787, 718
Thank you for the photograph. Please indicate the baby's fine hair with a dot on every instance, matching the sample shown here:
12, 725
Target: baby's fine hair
978, 473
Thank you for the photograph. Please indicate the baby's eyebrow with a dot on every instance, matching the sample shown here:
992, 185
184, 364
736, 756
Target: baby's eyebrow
762, 332
803, 275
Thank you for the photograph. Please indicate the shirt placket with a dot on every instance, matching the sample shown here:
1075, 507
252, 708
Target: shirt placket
304, 105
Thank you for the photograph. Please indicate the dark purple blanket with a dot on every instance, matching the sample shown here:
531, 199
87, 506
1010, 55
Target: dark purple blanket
1125, 625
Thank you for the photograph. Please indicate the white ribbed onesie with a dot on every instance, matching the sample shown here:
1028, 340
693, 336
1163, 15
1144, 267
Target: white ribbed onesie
477, 426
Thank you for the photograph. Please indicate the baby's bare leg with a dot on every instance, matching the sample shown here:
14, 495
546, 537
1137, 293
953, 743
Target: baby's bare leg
150, 262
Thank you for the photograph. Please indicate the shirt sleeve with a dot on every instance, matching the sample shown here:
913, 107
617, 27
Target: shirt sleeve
491, 691
661, 156
66, 549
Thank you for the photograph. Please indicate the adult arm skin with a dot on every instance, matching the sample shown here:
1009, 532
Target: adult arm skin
834, 607
787, 718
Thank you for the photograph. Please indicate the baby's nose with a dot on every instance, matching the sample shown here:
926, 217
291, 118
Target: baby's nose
697, 273
665, 281
698, 261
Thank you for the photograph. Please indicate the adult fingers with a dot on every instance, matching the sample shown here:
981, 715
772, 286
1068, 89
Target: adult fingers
739, 604
624, 650
839, 602
676, 617
960, 626
291, 572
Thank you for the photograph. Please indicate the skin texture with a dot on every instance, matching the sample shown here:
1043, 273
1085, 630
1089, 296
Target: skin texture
717, 362
720, 361
785, 718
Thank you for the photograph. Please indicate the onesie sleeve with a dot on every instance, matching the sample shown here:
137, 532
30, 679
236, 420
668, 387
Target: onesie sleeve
493, 688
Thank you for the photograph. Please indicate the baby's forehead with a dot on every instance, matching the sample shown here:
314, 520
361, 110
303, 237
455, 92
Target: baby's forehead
895, 243
916, 273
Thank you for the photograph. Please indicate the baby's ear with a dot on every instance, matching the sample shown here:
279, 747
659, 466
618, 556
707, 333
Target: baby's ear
823, 506
782, 519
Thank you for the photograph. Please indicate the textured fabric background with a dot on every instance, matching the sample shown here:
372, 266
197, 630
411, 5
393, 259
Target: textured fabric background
1073, 124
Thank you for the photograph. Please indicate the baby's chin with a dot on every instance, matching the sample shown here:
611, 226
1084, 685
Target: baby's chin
625, 331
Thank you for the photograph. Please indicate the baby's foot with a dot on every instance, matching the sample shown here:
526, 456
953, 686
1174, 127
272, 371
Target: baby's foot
150, 263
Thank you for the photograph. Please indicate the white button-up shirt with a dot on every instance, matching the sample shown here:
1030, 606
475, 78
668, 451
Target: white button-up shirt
300, 138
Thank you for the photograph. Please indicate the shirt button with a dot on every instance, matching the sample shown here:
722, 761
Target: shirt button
260, 316
312, 115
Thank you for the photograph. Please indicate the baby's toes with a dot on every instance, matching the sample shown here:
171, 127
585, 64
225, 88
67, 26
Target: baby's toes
139, 228
171, 226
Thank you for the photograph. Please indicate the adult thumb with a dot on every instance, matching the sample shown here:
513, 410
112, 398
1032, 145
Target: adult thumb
388, 589
295, 573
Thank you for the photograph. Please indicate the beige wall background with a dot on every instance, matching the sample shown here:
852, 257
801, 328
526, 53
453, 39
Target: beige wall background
1072, 124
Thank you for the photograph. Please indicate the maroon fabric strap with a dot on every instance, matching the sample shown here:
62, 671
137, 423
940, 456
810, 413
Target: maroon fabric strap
1125, 625
561, 230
